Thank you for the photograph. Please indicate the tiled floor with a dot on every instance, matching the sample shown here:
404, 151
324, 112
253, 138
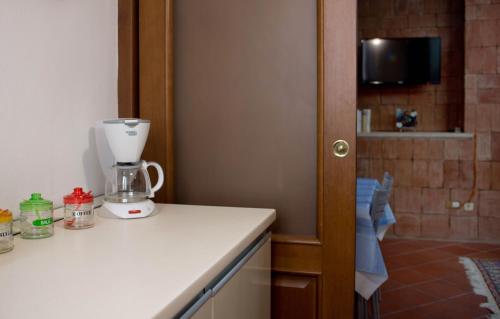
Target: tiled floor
426, 281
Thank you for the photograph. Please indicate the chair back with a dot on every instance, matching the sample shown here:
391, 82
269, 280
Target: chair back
381, 198
387, 181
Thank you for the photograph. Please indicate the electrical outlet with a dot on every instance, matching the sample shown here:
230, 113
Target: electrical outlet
455, 204
469, 207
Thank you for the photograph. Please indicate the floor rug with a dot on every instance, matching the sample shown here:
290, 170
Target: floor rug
484, 276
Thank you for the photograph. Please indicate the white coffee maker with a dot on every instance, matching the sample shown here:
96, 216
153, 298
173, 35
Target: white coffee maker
128, 186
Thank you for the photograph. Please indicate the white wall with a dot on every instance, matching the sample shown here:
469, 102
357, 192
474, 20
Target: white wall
58, 75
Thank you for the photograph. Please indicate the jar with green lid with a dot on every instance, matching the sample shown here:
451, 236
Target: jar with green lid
37, 217
6, 238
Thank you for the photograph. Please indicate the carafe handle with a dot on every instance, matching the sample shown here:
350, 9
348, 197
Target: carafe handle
159, 183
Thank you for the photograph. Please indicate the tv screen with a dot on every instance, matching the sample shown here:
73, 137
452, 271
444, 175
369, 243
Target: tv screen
400, 61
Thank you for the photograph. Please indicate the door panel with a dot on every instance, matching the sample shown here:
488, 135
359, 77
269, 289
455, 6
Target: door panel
294, 297
246, 107
339, 203
237, 118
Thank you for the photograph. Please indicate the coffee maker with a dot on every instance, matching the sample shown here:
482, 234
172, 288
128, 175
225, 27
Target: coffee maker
128, 187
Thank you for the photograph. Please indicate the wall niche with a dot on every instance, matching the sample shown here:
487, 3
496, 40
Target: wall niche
440, 107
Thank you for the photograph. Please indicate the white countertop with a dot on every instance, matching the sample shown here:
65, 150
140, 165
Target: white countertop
138, 268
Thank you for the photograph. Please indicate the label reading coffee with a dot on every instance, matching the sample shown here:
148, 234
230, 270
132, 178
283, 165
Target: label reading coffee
81, 213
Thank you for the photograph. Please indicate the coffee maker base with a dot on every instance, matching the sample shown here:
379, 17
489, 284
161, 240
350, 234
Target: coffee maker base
130, 210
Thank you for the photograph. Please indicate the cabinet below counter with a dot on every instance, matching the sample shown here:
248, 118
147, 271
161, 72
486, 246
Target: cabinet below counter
243, 292
153, 267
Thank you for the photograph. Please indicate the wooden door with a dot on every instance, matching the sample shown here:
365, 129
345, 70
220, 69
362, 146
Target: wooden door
313, 266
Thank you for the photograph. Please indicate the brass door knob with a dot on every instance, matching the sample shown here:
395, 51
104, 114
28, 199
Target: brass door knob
340, 148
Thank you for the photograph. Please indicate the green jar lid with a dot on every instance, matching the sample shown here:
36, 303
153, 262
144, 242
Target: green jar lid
36, 202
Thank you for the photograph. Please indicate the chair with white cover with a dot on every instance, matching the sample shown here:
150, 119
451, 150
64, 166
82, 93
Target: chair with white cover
387, 181
380, 200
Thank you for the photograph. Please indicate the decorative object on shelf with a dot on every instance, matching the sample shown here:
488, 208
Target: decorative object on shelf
406, 120
37, 217
6, 238
366, 121
78, 209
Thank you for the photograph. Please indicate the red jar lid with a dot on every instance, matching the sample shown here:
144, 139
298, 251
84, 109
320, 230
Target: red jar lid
78, 197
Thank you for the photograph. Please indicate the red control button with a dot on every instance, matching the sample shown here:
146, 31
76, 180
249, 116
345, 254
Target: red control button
134, 211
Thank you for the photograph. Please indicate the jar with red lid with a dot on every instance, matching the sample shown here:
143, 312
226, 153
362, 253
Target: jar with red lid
79, 209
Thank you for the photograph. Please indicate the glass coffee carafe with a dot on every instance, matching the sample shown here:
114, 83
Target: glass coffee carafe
130, 182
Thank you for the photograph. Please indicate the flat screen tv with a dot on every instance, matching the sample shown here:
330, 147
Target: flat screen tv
400, 61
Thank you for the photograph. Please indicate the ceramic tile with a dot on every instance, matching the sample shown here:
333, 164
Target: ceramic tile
426, 280
438, 269
458, 250
481, 246
441, 289
409, 276
403, 298
391, 284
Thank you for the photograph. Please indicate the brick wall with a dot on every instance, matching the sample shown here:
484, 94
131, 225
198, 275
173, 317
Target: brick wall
482, 105
427, 174
441, 106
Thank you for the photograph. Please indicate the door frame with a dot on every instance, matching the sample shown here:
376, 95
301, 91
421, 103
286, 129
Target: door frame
128, 58
146, 59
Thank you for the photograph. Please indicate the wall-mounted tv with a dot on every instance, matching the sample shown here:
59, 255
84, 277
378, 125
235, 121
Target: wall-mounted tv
400, 61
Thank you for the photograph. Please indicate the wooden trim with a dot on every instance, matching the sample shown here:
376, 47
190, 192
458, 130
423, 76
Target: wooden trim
296, 258
339, 217
320, 117
128, 58
170, 103
320, 141
156, 86
293, 239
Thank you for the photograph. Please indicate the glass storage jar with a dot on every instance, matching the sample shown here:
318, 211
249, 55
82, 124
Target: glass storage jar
6, 238
37, 217
78, 209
